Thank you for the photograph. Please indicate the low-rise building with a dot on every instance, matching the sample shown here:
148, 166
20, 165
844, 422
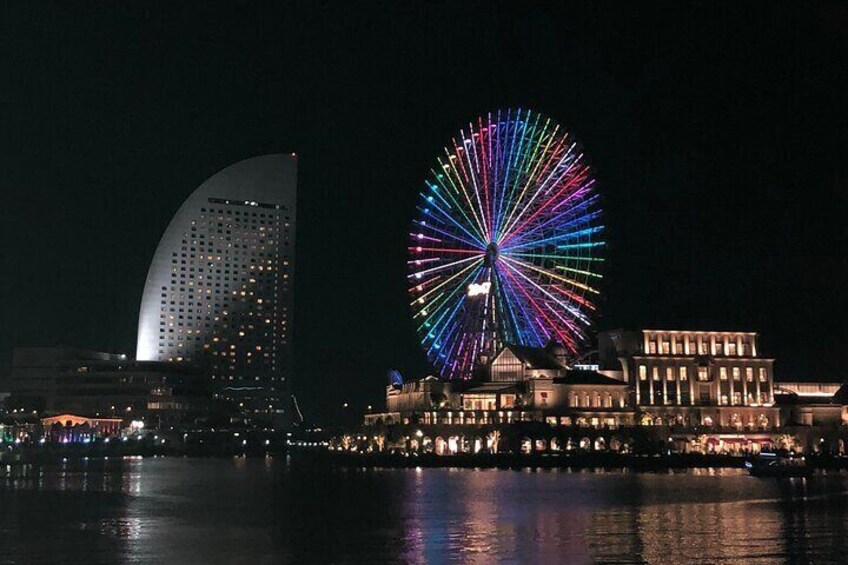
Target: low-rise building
519, 384
57, 380
706, 391
69, 428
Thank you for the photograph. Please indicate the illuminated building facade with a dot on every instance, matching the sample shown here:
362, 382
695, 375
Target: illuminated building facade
698, 378
522, 384
219, 292
691, 391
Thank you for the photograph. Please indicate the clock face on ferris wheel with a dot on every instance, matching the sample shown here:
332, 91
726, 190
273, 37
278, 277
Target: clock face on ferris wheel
505, 245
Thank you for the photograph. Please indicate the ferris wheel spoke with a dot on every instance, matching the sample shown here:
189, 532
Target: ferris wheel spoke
574, 296
471, 179
538, 188
455, 181
577, 215
439, 329
507, 179
553, 257
448, 250
418, 274
481, 163
513, 177
437, 225
446, 193
571, 309
552, 275
549, 326
525, 156
567, 186
511, 249
442, 301
447, 281
517, 309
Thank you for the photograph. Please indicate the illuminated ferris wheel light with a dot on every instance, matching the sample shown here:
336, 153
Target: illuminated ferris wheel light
505, 245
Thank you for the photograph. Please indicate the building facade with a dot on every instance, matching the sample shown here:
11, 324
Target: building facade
691, 391
698, 378
219, 292
93, 384
520, 384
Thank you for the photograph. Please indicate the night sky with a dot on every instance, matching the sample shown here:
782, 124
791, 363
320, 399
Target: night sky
718, 136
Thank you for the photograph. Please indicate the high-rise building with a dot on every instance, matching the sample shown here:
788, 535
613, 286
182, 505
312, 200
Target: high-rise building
219, 290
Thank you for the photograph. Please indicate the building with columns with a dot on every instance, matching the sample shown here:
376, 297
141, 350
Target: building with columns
694, 378
704, 391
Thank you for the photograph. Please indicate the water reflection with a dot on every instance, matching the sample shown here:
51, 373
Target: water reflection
257, 511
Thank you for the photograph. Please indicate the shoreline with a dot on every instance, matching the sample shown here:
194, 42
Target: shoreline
635, 462
344, 459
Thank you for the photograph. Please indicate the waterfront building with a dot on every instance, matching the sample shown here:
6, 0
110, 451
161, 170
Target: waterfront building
56, 380
520, 385
809, 403
691, 391
219, 292
69, 428
699, 378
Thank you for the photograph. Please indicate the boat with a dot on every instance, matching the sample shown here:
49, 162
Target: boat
779, 465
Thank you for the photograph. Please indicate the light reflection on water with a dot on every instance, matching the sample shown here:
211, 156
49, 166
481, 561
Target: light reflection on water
263, 511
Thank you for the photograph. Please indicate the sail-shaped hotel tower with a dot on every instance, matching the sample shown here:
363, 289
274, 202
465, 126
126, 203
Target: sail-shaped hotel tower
219, 292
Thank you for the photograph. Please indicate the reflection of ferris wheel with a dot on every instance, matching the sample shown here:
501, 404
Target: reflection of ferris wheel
504, 246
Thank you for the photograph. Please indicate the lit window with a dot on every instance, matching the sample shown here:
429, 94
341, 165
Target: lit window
643, 373
722, 373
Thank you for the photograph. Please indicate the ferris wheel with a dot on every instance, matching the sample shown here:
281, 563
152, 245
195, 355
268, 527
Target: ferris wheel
505, 245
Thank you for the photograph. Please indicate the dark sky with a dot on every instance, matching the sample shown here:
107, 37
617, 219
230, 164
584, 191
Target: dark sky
718, 135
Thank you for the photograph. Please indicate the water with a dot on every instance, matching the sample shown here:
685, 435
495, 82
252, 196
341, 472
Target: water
264, 511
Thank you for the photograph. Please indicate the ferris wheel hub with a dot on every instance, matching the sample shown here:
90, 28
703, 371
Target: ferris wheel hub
492, 252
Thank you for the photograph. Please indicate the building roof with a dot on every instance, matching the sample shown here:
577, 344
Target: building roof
580, 377
785, 396
492, 388
535, 357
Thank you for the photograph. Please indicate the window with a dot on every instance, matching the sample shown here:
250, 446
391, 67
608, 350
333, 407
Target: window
749, 374
763, 375
655, 373
652, 347
643, 373
683, 374
666, 347
703, 375
669, 374
736, 373
722, 373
